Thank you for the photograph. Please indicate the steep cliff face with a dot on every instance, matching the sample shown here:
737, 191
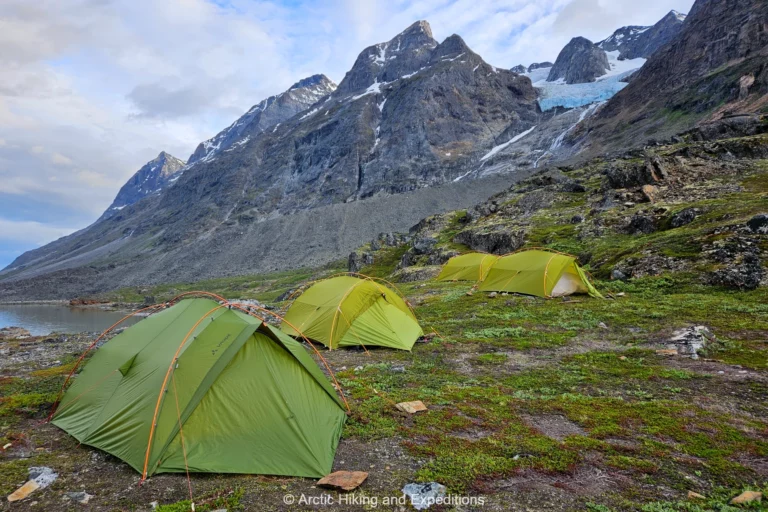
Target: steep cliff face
635, 42
717, 65
152, 178
580, 61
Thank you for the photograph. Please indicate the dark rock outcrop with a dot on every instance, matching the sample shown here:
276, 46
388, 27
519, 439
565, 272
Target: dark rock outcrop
494, 242
745, 275
580, 61
519, 69
683, 217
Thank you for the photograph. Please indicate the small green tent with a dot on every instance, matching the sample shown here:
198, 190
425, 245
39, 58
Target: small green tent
208, 388
346, 311
536, 272
472, 266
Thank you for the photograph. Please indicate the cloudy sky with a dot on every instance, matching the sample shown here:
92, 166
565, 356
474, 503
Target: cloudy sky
90, 90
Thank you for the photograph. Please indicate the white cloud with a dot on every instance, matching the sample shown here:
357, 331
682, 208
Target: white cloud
31, 232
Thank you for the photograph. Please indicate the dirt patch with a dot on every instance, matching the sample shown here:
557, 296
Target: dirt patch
554, 426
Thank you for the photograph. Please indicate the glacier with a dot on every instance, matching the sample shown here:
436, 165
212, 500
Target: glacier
559, 94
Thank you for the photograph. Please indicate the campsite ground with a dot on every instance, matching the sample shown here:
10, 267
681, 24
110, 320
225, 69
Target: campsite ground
533, 404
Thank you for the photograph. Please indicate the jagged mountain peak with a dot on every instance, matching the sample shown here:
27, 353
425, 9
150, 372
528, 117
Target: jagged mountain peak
633, 42
152, 178
312, 81
405, 53
268, 113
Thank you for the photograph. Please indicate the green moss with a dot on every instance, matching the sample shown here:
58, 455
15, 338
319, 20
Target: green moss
222, 499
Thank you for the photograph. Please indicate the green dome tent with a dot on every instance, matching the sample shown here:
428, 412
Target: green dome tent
202, 387
346, 311
472, 266
538, 272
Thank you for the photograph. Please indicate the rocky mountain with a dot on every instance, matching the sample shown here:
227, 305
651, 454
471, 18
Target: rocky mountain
266, 114
410, 113
579, 61
152, 178
519, 69
715, 67
635, 42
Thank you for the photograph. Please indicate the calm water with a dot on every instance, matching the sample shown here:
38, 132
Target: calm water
42, 319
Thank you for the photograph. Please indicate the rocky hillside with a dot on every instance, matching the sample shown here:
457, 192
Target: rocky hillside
635, 42
266, 114
715, 67
152, 178
579, 61
694, 207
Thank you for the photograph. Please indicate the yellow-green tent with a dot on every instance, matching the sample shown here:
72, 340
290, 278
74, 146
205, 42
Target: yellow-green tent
541, 273
346, 311
472, 266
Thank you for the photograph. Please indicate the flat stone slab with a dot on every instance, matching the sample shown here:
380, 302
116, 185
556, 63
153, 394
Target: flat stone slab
343, 480
411, 407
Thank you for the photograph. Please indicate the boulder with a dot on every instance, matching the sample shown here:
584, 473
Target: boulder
641, 224
423, 245
423, 496
742, 276
747, 497
683, 217
358, 260
759, 224
650, 192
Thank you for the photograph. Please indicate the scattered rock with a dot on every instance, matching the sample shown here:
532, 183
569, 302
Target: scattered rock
411, 407
39, 478
23, 491
683, 217
14, 333
622, 358
577, 219
493, 295
81, 497
602, 325
747, 497
410, 274
759, 224
343, 480
423, 496
695, 496
650, 192
667, 352
690, 340
618, 275
469, 293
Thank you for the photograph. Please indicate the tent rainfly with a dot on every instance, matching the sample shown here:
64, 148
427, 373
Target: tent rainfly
211, 389
346, 311
536, 272
472, 266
